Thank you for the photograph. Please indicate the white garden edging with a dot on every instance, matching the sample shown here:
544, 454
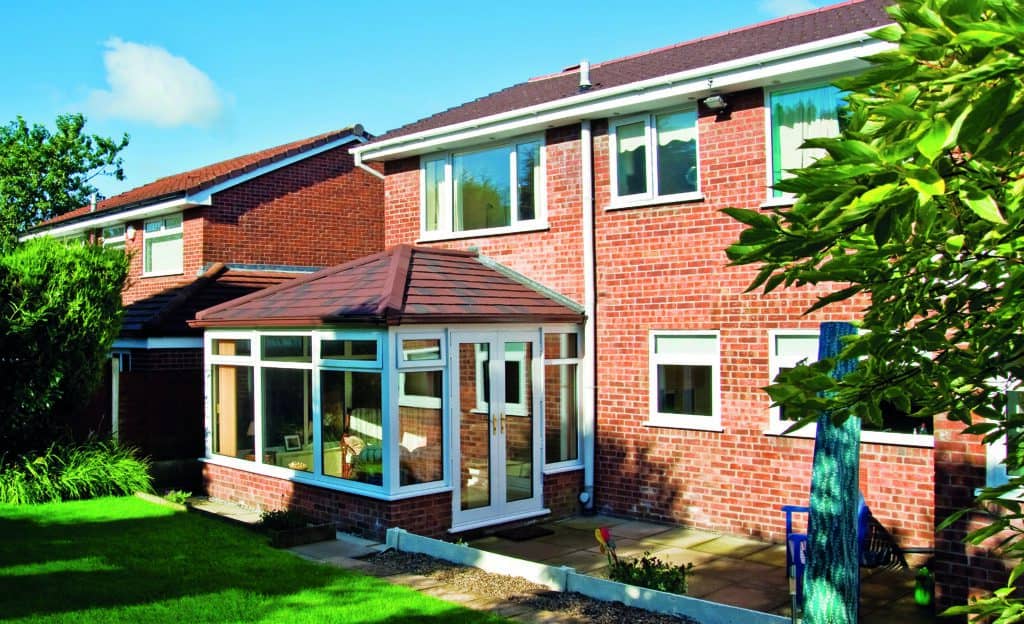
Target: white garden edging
564, 578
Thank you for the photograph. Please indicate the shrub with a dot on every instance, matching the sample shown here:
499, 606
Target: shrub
95, 468
177, 497
282, 519
651, 572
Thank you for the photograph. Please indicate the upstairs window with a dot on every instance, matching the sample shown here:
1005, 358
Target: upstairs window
798, 115
654, 157
162, 250
490, 189
113, 236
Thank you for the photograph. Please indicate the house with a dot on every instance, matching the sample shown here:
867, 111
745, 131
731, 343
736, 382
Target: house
598, 188
205, 236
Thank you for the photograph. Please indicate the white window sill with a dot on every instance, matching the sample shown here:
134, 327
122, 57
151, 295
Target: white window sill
433, 237
684, 422
779, 202
868, 437
163, 274
561, 467
619, 203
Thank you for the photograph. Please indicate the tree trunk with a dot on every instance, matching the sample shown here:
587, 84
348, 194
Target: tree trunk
832, 581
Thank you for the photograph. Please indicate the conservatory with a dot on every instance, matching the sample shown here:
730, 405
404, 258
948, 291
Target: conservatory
410, 373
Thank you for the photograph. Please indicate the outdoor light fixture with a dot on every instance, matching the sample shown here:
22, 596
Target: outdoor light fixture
716, 103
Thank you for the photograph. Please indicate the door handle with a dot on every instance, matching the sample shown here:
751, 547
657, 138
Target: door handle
494, 424
503, 423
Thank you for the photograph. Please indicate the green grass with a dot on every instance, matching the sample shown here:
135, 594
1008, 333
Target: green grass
127, 560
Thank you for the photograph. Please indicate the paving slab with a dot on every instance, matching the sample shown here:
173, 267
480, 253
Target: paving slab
583, 561
737, 547
589, 523
682, 556
756, 598
568, 537
773, 555
683, 537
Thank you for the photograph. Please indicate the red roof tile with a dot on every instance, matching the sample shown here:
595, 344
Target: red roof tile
816, 25
167, 313
403, 285
205, 177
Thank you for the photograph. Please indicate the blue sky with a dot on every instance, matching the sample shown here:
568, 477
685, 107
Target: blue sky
197, 82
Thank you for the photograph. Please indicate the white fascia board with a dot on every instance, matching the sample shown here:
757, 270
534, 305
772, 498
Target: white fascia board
105, 218
158, 343
201, 198
827, 57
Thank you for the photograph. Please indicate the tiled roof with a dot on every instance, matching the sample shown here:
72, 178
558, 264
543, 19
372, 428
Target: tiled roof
167, 313
402, 285
816, 25
204, 177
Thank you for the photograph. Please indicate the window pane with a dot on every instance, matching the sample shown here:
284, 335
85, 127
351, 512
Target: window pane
351, 406
233, 431
482, 189
231, 346
561, 413
421, 350
798, 116
677, 153
631, 158
560, 346
420, 427
434, 179
287, 418
706, 346
794, 348
286, 348
348, 350
528, 173
684, 389
163, 254
1014, 436
113, 236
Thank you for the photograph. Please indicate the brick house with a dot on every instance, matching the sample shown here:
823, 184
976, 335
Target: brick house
198, 238
599, 187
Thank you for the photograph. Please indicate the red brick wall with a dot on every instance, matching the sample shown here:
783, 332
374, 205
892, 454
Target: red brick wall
319, 211
138, 287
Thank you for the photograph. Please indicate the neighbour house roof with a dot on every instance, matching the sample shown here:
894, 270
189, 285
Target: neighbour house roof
197, 180
167, 313
773, 36
402, 285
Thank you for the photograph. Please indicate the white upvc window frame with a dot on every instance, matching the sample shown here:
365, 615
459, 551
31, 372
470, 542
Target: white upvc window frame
777, 426
577, 330
414, 366
996, 473
652, 196
113, 236
164, 233
713, 360
446, 190
773, 198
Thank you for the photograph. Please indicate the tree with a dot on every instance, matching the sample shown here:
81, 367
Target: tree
44, 174
60, 310
916, 209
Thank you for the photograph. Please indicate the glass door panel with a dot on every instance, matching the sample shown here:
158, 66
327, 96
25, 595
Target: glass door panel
517, 422
475, 425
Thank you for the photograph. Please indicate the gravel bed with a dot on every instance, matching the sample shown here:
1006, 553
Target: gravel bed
517, 590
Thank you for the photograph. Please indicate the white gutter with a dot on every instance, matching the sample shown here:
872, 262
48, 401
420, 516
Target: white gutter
588, 394
203, 197
358, 160
825, 57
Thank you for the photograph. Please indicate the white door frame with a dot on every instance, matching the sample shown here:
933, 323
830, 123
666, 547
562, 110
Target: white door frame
499, 510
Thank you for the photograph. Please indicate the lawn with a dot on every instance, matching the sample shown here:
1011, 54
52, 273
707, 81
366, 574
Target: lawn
128, 560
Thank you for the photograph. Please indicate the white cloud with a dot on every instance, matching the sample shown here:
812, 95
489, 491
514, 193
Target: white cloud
148, 83
778, 8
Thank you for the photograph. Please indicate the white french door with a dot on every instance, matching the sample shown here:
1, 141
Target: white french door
497, 427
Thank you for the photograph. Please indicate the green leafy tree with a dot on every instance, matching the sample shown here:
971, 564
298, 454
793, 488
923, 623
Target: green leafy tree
60, 310
916, 210
44, 174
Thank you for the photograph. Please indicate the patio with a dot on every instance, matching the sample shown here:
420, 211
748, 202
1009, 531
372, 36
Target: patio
726, 569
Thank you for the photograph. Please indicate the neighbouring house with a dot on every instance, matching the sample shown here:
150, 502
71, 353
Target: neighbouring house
416, 388
202, 237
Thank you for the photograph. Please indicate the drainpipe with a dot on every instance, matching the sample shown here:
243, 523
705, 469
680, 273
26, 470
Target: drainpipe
588, 393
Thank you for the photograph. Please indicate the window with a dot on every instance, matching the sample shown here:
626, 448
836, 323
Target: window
353, 433
113, 236
1005, 457
420, 409
654, 158
684, 371
162, 247
561, 398
797, 115
792, 347
494, 188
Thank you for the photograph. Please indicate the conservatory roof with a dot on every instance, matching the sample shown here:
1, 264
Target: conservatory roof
402, 285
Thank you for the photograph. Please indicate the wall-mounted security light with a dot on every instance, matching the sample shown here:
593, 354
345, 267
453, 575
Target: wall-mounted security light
715, 103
